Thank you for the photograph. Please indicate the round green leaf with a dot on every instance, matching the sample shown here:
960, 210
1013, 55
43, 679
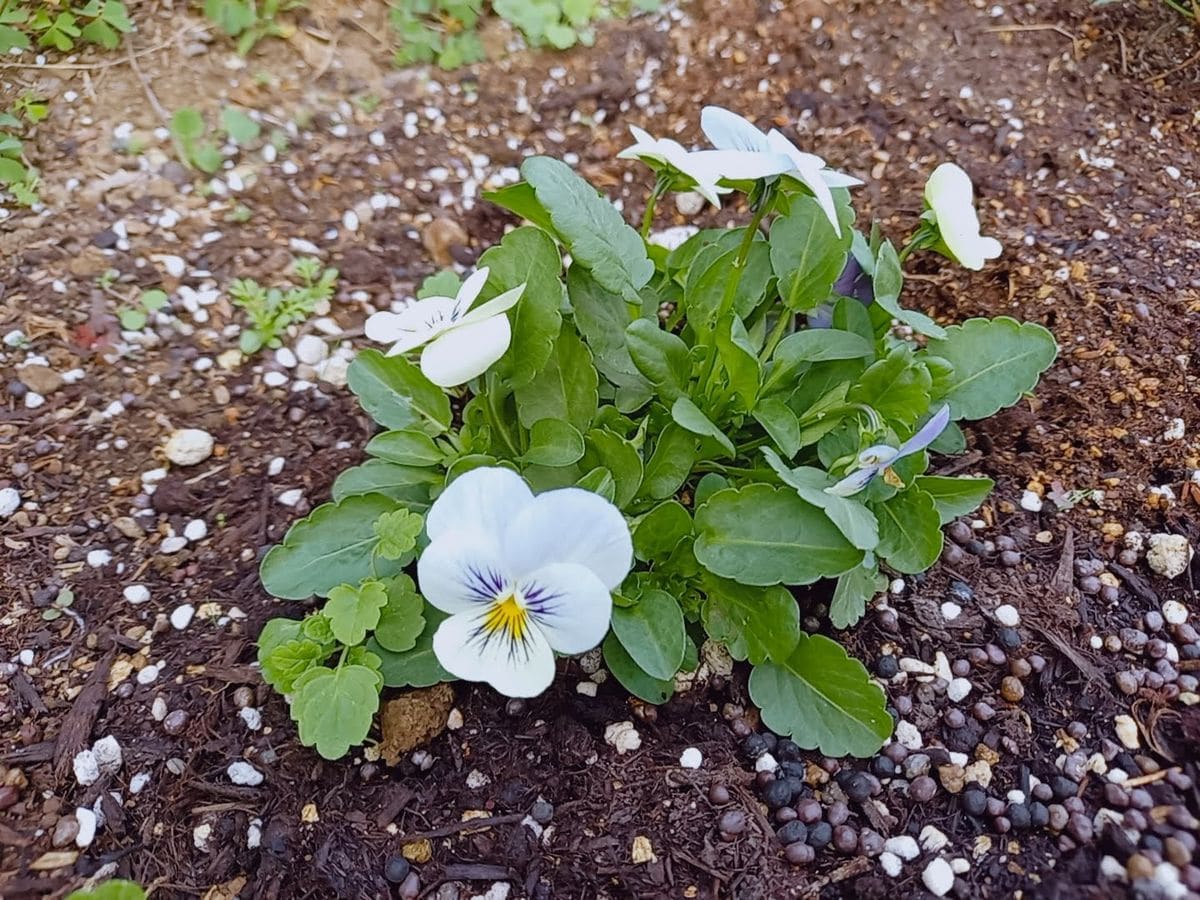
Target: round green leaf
417, 666
632, 677
353, 611
401, 621
660, 531
555, 443
406, 447
823, 699
910, 532
764, 535
335, 707
653, 633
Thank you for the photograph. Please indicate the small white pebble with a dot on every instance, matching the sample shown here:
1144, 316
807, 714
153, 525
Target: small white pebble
181, 616
196, 530
10, 502
138, 782
250, 717
587, 688
291, 497
891, 864
86, 768
454, 720
951, 610
957, 689
1031, 502
938, 877
147, 674
1006, 614
932, 839
241, 772
909, 735
98, 559
766, 763
87, 827
477, 780
137, 593
25, 657
172, 544
254, 834
159, 709
275, 379
200, 836
1174, 612
904, 846
623, 737
691, 758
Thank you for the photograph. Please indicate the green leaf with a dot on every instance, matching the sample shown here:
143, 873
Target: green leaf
417, 666
115, 14
240, 127
954, 497
659, 532
404, 484
187, 125
560, 36
780, 423
740, 359
806, 254
565, 388
11, 37
132, 319
397, 532
620, 457
316, 627
291, 659
704, 288
811, 346
896, 387
334, 708
98, 32
520, 198
276, 633
602, 317
632, 677
116, 889
396, 395
206, 157
528, 256
995, 362
670, 463
754, 623
401, 621
441, 284
662, 357
910, 533
763, 535
332, 546
688, 415
353, 611
652, 632
823, 699
406, 447
599, 481
888, 282
154, 300
554, 443
851, 517
854, 589
590, 226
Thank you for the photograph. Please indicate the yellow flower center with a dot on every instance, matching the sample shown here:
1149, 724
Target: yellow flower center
507, 617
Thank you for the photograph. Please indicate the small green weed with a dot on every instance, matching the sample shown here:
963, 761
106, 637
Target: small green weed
197, 148
17, 176
250, 21
135, 316
62, 25
272, 310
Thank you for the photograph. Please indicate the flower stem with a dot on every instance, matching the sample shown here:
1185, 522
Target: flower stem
777, 335
661, 186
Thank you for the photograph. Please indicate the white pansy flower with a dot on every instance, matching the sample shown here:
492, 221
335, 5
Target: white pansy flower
522, 577
731, 132
460, 342
658, 153
951, 199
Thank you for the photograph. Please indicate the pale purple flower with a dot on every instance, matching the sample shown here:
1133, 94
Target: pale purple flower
875, 460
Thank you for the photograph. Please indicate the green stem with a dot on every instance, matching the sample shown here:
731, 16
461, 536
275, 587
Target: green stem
661, 186
498, 424
777, 335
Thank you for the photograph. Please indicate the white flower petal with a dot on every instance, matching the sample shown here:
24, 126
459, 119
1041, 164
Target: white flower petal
494, 307
854, 482
729, 131
466, 351
810, 177
413, 326
484, 500
570, 525
570, 605
836, 179
462, 570
780, 144
469, 291
951, 196
739, 165
515, 668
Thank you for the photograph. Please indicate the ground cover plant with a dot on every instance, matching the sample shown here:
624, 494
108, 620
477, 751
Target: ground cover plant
665, 440
62, 26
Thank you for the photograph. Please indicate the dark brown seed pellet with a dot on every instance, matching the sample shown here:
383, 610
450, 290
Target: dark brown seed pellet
799, 854
923, 789
845, 839
732, 821
808, 811
718, 795
837, 814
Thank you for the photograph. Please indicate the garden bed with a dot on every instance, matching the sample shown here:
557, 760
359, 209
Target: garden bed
1088, 175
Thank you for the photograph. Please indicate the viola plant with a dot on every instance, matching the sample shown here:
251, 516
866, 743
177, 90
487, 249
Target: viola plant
648, 450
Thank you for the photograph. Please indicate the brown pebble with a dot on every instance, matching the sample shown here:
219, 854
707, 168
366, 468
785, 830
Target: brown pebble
243, 697
175, 721
1139, 867
1011, 689
799, 854
732, 821
718, 795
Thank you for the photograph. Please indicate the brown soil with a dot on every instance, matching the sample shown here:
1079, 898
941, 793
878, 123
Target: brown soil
1072, 150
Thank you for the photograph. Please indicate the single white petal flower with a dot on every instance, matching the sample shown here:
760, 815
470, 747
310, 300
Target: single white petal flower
731, 132
460, 343
521, 576
951, 197
659, 153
